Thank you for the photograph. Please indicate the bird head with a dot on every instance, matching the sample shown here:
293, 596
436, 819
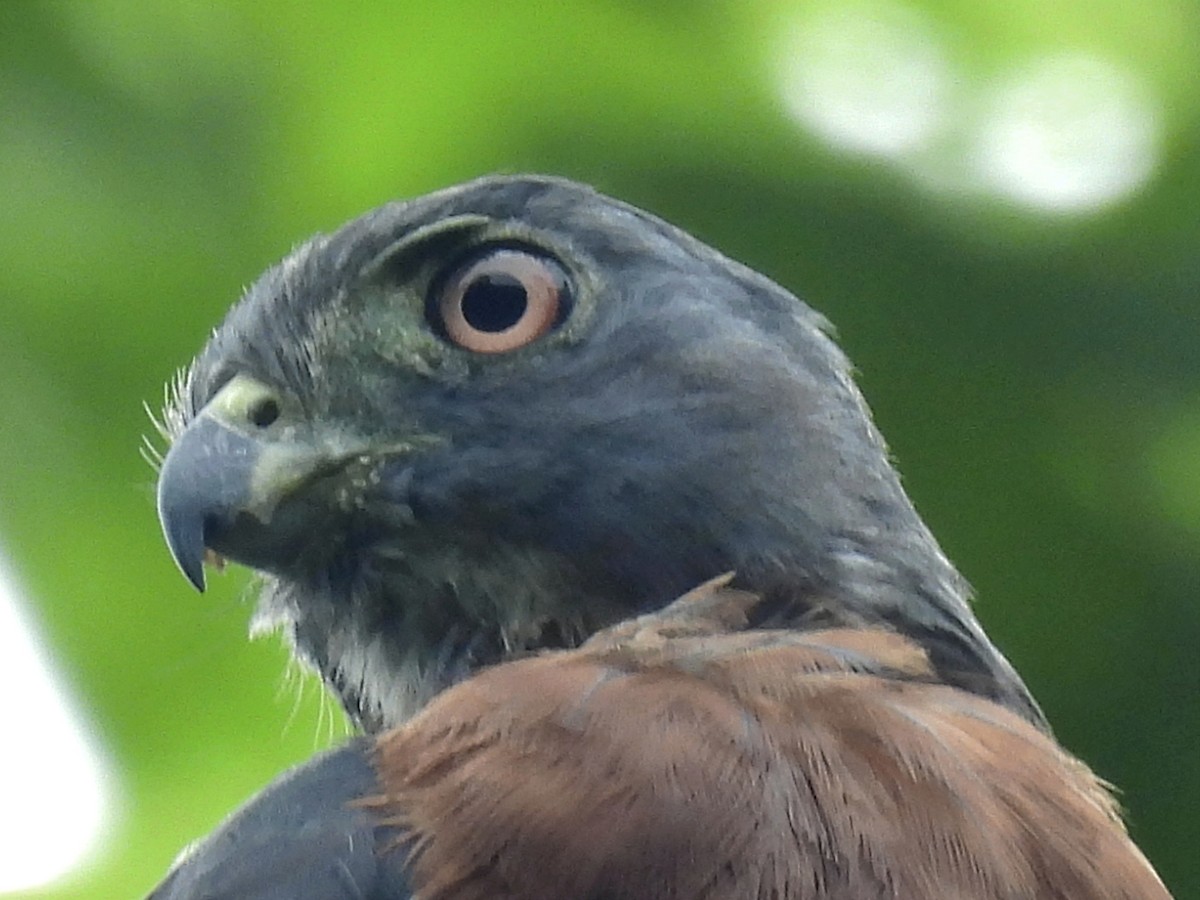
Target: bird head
500, 417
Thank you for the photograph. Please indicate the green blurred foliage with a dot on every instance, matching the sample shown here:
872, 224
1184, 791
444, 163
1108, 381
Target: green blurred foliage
1038, 376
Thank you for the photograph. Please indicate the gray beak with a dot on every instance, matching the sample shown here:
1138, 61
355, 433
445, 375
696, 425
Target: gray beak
231, 483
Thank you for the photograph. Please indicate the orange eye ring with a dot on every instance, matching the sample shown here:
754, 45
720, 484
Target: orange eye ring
502, 302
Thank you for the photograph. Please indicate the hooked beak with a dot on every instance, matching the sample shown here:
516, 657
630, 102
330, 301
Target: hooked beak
231, 483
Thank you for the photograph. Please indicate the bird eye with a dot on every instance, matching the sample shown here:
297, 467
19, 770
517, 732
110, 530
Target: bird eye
501, 302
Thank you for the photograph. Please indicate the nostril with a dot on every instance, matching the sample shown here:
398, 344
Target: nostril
264, 412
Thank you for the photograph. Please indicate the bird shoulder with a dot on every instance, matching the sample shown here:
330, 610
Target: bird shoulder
674, 756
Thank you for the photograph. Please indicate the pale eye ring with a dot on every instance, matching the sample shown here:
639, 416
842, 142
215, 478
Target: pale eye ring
502, 301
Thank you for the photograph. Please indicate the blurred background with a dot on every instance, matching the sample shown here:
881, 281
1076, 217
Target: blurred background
995, 201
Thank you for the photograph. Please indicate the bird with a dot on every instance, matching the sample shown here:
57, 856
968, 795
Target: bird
590, 530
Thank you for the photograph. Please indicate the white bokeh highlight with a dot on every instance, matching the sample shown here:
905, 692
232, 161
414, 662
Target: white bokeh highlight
1065, 133
55, 799
867, 79
1068, 133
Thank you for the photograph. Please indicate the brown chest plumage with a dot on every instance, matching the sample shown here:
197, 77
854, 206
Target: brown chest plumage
667, 759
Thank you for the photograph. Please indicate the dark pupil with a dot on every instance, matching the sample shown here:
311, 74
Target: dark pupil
494, 303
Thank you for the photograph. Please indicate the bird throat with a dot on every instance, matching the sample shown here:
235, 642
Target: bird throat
392, 628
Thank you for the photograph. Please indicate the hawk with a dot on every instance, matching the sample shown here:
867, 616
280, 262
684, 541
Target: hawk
591, 533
